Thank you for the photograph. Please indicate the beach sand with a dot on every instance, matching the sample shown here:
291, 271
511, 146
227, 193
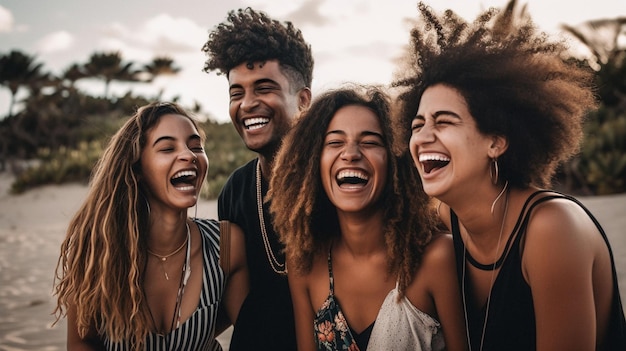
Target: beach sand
32, 227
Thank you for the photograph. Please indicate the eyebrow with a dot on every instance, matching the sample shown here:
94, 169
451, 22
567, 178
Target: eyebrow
256, 82
363, 133
171, 138
439, 113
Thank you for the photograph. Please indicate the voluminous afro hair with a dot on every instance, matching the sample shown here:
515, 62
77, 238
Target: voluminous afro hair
304, 216
249, 36
517, 84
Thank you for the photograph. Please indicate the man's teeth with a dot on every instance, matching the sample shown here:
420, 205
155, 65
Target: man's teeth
255, 123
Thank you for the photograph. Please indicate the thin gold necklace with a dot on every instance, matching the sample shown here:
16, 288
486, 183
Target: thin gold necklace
184, 277
163, 258
493, 275
276, 266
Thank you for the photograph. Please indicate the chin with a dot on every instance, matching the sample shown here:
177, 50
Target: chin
432, 190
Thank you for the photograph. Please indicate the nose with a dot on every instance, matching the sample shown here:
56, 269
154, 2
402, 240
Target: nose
248, 102
188, 155
351, 152
424, 135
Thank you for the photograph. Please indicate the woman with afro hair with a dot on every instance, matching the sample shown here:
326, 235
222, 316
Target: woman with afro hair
491, 108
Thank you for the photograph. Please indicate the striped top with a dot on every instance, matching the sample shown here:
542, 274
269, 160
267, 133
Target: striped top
198, 332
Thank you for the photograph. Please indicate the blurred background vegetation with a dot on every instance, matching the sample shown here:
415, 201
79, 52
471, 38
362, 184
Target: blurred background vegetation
60, 131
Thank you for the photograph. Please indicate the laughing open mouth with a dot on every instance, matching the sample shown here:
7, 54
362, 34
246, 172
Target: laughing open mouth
255, 123
184, 179
352, 177
431, 162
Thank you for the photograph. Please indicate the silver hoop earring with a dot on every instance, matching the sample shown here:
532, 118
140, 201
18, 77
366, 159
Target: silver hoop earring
494, 172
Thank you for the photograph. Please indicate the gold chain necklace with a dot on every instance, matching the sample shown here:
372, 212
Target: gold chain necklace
493, 275
184, 277
276, 266
163, 258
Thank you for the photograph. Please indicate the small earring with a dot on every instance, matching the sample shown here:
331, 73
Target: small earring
494, 171
193, 161
147, 205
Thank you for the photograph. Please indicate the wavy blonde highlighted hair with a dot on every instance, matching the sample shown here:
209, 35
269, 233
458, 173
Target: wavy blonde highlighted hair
101, 267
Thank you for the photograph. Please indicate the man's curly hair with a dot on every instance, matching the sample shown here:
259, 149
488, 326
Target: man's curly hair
303, 214
517, 83
249, 36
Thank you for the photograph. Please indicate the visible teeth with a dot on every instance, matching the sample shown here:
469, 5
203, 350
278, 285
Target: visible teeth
184, 174
433, 157
433, 161
352, 174
254, 123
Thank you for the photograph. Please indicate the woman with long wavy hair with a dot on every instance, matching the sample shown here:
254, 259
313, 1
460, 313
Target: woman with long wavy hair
135, 272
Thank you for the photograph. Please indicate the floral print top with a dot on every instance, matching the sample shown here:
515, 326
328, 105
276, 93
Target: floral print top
331, 328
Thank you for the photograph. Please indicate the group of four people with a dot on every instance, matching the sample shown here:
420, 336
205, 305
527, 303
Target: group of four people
340, 228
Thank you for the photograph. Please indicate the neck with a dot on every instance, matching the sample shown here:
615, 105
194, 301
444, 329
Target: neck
166, 235
487, 231
362, 235
266, 166
474, 207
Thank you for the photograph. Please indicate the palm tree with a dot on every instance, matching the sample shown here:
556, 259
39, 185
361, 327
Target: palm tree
109, 67
160, 66
73, 73
601, 164
17, 70
604, 40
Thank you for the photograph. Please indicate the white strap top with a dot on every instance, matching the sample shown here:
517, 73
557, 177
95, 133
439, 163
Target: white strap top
401, 326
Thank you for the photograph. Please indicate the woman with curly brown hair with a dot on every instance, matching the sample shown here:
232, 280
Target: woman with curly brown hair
493, 108
365, 269
135, 272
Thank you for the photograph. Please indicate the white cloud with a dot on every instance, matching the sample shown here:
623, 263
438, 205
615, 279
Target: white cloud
171, 33
55, 42
6, 20
159, 35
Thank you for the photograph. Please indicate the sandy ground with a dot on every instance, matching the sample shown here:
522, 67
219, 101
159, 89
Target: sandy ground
32, 226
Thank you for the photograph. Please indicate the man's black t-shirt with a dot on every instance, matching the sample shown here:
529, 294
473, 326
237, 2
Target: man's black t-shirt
266, 320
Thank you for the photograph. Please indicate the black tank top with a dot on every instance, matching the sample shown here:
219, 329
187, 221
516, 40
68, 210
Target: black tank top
511, 322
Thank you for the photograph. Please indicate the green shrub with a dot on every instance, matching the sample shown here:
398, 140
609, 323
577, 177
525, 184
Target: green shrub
224, 148
602, 160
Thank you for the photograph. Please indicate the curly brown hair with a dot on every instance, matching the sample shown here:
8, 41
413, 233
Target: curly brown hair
249, 36
307, 220
516, 81
102, 262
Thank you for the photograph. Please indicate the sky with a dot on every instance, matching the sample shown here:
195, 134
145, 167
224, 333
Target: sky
351, 40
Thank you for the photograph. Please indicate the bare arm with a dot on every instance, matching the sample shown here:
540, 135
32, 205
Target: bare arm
439, 262
303, 312
90, 342
237, 285
557, 264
